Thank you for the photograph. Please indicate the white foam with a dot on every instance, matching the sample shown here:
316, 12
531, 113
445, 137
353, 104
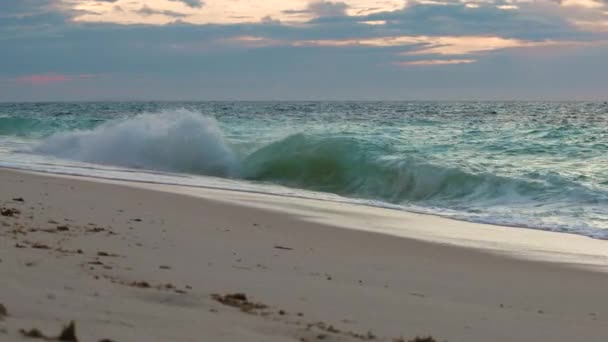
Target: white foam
178, 140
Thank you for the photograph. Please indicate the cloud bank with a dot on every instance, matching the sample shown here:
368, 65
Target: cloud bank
279, 49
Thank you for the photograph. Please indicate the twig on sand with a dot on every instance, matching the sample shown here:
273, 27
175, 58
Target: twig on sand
239, 300
68, 334
3, 312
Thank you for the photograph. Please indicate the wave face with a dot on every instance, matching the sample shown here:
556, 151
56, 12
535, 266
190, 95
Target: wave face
337, 165
351, 167
180, 141
533, 165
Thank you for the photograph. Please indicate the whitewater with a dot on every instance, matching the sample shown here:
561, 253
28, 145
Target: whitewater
540, 165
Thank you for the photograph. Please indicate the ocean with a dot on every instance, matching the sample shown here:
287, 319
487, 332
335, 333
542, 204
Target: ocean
540, 165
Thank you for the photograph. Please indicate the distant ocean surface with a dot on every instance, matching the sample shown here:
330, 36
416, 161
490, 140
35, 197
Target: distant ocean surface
535, 165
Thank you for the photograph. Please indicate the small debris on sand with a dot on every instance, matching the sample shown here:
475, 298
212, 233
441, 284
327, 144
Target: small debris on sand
68, 334
3, 311
106, 254
239, 300
39, 245
63, 228
285, 248
141, 284
9, 212
164, 267
330, 329
416, 339
19, 199
33, 333
68, 251
146, 285
422, 339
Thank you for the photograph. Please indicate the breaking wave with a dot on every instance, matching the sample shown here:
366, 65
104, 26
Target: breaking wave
188, 142
180, 141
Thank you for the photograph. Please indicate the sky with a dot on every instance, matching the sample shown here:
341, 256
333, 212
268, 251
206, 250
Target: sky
88, 50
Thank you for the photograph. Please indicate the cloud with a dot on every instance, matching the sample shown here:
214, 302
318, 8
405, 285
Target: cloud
467, 45
373, 22
581, 3
147, 11
50, 78
431, 45
510, 18
432, 62
190, 3
421, 50
229, 12
319, 9
328, 9
20, 8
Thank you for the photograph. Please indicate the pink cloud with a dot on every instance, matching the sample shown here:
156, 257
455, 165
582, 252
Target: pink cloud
436, 62
51, 78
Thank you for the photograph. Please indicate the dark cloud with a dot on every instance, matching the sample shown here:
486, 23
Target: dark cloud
191, 3
147, 10
323, 9
328, 9
455, 18
23, 7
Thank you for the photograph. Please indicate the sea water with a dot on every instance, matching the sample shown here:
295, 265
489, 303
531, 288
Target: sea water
541, 165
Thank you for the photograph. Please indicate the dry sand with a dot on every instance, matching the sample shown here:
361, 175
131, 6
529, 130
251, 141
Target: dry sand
128, 262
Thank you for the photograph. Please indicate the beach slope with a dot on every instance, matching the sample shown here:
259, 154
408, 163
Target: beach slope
127, 262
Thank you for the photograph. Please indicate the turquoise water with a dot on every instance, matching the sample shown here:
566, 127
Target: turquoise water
535, 165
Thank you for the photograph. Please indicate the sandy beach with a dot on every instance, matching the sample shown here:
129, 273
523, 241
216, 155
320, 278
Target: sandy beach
144, 262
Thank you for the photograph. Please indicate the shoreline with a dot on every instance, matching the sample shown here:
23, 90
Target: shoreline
390, 272
281, 191
511, 241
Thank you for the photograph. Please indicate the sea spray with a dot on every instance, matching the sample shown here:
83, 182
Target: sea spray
181, 141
